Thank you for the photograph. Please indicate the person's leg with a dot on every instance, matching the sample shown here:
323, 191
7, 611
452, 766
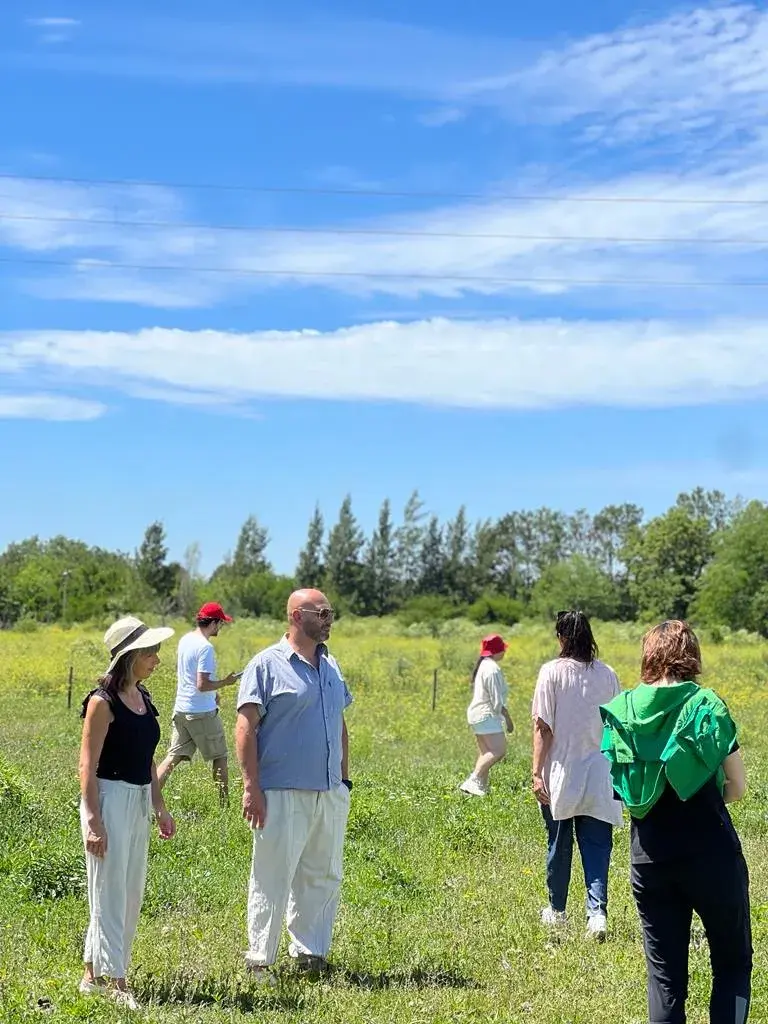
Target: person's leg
720, 896
107, 877
665, 916
139, 824
314, 896
181, 748
492, 748
595, 839
559, 859
221, 778
276, 851
211, 741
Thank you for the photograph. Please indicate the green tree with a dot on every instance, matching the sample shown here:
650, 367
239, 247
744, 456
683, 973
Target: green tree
733, 590
575, 583
433, 561
612, 528
250, 550
310, 569
409, 537
457, 568
151, 566
380, 573
343, 569
665, 562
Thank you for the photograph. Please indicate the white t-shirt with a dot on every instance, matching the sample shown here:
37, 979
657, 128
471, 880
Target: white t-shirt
567, 698
490, 692
195, 654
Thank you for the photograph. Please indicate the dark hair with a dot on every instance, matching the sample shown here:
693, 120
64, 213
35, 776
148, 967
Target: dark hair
670, 650
475, 670
116, 680
573, 628
205, 622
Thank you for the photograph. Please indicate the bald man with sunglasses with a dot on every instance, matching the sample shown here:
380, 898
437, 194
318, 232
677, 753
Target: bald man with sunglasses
292, 745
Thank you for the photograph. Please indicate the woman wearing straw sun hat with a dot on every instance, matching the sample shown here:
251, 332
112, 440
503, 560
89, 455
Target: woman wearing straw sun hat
118, 783
487, 713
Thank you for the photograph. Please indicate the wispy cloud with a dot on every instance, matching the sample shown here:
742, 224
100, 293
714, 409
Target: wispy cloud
54, 30
696, 72
59, 408
53, 22
504, 363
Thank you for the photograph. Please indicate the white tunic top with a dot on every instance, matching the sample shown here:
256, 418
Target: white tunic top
490, 692
577, 776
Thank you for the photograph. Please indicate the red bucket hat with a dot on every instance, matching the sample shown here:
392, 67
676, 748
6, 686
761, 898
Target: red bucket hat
492, 644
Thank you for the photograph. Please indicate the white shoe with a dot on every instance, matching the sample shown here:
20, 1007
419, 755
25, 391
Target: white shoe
597, 927
473, 787
123, 997
553, 918
262, 974
91, 988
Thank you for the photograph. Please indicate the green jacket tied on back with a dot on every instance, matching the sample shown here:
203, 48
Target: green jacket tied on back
678, 734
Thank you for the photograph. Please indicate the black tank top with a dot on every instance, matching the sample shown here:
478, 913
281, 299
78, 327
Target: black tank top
131, 740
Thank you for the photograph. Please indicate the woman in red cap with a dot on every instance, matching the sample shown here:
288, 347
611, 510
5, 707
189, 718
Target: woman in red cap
487, 714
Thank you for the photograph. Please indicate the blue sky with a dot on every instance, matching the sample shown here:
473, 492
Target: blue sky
256, 258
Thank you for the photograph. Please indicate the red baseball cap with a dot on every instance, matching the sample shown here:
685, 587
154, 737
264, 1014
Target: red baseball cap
213, 611
493, 644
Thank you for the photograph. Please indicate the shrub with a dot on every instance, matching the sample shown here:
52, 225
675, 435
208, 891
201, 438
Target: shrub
496, 608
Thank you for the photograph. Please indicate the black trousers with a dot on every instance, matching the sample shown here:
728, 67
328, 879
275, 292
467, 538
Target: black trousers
667, 894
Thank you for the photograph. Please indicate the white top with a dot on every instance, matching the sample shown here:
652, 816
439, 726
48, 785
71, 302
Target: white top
577, 776
195, 654
490, 692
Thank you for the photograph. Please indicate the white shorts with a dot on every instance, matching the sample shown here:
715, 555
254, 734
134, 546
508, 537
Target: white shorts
488, 725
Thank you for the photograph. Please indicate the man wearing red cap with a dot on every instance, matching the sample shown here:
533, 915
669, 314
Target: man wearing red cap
196, 721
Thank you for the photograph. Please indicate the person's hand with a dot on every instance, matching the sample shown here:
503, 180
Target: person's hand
96, 840
231, 679
540, 790
166, 826
510, 724
255, 807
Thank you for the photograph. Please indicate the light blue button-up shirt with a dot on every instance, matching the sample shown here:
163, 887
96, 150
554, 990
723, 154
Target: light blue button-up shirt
302, 713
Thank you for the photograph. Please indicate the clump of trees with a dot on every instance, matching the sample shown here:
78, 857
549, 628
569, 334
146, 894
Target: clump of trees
705, 558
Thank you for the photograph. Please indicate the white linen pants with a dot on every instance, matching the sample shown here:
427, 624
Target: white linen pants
116, 881
296, 872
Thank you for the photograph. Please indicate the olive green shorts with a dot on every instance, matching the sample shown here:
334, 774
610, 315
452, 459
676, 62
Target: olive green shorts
203, 732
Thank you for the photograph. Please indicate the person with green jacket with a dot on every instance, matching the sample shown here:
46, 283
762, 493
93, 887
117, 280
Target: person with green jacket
675, 764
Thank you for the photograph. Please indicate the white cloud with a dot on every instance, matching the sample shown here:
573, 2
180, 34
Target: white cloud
59, 408
53, 22
502, 363
550, 247
701, 70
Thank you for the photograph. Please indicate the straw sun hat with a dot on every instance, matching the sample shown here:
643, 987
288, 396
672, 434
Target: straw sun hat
131, 634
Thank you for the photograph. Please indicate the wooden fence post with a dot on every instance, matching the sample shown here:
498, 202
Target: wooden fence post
434, 689
69, 687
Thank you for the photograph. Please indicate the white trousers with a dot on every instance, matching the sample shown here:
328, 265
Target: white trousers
116, 881
296, 872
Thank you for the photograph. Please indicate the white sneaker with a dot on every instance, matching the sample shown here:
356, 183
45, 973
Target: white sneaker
91, 988
553, 918
262, 974
473, 787
123, 997
597, 927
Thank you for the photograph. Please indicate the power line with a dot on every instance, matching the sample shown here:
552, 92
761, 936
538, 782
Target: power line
382, 193
384, 275
396, 232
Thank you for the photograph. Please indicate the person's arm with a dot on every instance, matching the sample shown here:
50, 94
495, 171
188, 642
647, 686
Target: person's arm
542, 743
205, 684
735, 778
246, 746
166, 826
98, 717
344, 750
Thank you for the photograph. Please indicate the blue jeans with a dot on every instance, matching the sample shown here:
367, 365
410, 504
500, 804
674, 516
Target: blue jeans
595, 839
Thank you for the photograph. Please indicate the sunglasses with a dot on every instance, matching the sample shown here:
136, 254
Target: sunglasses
324, 614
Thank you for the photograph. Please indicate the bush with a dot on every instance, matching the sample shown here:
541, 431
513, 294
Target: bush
428, 609
496, 608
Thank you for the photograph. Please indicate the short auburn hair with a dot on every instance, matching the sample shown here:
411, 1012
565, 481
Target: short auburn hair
670, 650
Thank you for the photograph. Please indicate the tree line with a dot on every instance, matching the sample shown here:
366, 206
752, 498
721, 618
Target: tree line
705, 558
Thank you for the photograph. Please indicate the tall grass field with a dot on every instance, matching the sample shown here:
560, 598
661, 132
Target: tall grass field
439, 918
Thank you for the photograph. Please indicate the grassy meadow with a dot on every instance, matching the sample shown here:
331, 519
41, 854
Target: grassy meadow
439, 918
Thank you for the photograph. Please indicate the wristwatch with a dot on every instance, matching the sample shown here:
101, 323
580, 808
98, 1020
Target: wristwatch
347, 783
